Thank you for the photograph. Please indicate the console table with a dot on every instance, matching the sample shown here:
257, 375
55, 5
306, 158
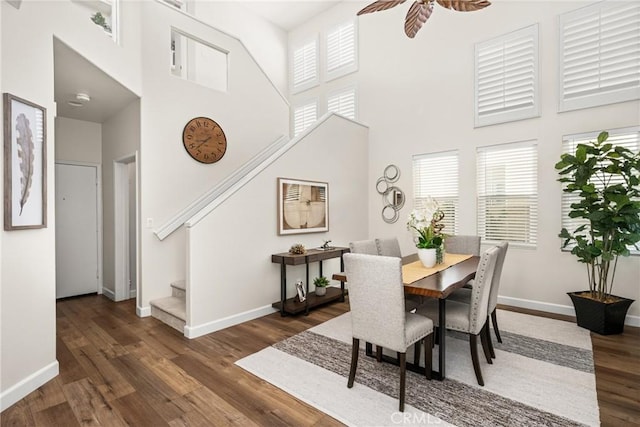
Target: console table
292, 305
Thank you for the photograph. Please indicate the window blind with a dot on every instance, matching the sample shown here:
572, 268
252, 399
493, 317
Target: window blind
343, 102
341, 47
599, 55
303, 116
305, 65
436, 175
507, 192
506, 77
627, 137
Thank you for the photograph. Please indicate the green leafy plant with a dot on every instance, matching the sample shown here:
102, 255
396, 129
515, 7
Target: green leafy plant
607, 180
321, 282
99, 19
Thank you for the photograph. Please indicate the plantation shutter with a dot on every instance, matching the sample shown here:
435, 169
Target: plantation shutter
508, 192
343, 102
305, 65
506, 77
303, 116
599, 55
627, 137
341, 50
436, 175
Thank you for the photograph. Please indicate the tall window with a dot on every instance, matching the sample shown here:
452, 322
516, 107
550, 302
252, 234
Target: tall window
626, 137
506, 77
343, 102
599, 55
436, 175
304, 115
341, 45
305, 65
508, 192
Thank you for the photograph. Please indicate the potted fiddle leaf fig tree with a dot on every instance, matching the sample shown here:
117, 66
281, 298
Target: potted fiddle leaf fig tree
606, 179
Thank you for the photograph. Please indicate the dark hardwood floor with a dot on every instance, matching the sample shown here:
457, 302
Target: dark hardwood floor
118, 369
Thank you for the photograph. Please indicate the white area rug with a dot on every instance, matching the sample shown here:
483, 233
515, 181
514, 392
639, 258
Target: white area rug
542, 375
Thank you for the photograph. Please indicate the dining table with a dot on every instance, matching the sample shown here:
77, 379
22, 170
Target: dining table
438, 283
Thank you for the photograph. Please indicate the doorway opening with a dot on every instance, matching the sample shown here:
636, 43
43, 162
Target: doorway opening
126, 241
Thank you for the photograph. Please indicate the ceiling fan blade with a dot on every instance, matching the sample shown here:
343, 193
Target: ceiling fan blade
379, 5
464, 5
416, 17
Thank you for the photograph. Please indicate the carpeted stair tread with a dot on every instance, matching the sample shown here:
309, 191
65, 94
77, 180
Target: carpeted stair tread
179, 284
175, 306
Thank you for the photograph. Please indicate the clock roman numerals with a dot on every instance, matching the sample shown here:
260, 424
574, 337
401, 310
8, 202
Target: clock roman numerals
204, 140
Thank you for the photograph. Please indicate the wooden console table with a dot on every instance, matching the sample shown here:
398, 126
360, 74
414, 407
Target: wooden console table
292, 305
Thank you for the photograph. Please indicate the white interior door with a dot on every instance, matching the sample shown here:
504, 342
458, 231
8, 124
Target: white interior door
76, 230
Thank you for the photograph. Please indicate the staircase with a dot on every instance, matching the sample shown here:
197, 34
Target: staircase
172, 310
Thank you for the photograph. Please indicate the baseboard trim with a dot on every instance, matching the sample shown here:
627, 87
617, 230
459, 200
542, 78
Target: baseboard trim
225, 322
143, 311
32, 382
554, 308
109, 294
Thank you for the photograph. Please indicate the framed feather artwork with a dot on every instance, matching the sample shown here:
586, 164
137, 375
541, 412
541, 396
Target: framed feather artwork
25, 164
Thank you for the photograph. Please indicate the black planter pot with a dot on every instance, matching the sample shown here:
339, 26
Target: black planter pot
600, 317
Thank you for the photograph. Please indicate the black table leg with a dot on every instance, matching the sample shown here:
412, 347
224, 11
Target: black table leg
283, 286
442, 332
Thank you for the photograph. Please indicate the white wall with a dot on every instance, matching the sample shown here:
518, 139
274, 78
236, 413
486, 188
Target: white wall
230, 250
78, 141
251, 113
28, 294
417, 97
264, 40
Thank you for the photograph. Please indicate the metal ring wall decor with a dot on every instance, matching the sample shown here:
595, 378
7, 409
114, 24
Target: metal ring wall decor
392, 196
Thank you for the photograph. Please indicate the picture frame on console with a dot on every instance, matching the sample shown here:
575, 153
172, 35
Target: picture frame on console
303, 206
25, 164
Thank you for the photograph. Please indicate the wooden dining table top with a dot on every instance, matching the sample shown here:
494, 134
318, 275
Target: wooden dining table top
437, 285
442, 283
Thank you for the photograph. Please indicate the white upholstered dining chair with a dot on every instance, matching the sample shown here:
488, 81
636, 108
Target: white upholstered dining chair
464, 295
470, 318
364, 247
388, 247
378, 316
459, 244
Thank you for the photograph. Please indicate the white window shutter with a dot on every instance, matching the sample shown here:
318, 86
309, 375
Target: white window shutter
508, 193
436, 175
305, 66
303, 116
343, 102
599, 55
506, 77
626, 137
341, 50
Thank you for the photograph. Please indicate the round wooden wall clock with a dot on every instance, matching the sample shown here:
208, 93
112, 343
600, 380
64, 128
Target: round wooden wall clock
204, 140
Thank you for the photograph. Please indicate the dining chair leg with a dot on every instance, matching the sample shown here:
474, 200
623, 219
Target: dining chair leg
473, 342
379, 353
489, 340
416, 353
494, 320
484, 333
403, 378
354, 362
428, 355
